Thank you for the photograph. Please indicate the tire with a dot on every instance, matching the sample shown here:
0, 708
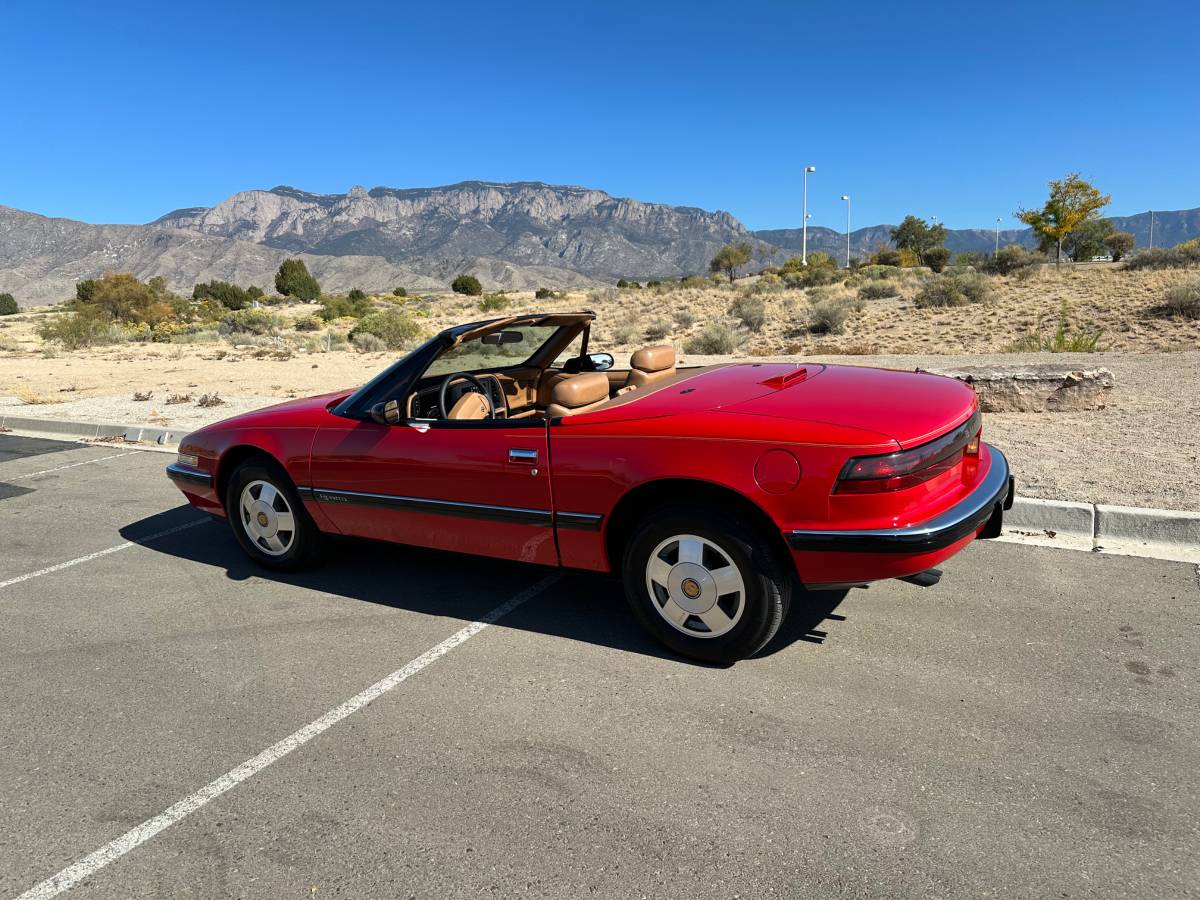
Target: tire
260, 525
721, 609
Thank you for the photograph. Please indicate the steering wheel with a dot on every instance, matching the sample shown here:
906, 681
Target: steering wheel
466, 376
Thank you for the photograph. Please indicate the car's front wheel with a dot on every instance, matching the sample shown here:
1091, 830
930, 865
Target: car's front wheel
268, 518
708, 587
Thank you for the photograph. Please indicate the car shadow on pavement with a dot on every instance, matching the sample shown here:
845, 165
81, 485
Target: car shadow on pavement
583, 606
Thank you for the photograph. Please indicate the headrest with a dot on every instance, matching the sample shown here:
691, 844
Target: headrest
580, 390
653, 359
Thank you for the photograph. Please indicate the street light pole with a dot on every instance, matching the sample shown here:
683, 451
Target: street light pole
1151, 229
998, 221
846, 197
804, 226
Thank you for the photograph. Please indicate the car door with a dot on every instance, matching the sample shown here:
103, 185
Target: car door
469, 486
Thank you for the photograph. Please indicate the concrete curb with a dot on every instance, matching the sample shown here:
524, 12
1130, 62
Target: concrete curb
1125, 530
92, 431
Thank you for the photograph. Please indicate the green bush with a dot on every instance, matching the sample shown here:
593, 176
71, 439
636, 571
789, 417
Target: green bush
750, 311
874, 271
8, 305
120, 297
293, 280
308, 323
1183, 300
1181, 256
545, 294
936, 258
228, 295
84, 327
395, 327
356, 296
249, 321
493, 302
1067, 337
886, 256
714, 339
399, 292
467, 284
828, 317
877, 290
344, 307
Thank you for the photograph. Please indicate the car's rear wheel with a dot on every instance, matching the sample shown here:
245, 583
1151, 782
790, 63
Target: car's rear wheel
708, 587
268, 519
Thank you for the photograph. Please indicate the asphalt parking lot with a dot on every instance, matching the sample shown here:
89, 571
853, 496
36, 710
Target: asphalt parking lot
1028, 728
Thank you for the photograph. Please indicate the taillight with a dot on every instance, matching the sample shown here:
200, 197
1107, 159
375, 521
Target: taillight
907, 468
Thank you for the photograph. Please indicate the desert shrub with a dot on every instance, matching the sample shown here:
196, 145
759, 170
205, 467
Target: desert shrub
348, 306
885, 256
750, 311
228, 295
953, 290
936, 258
828, 316
715, 338
249, 321
970, 258
877, 289
8, 305
1179, 257
767, 283
293, 280
254, 292
657, 330
694, 281
119, 296
626, 333
395, 327
875, 272
545, 294
467, 284
356, 296
308, 323
399, 292
84, 327
365, 342
653, 283
684, 318
1183, 300
493, 302
1011, 259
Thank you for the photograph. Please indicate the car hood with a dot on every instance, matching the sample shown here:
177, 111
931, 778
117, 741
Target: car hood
908, 407
306, 411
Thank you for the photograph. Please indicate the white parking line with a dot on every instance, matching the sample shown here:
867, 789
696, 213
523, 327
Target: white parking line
133, 838
82, 559
70, 466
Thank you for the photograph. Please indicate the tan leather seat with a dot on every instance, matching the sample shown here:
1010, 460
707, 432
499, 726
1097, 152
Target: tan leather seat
649, 365
578, 394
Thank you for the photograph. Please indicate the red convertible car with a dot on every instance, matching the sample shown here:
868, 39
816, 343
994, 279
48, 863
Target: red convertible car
711, 490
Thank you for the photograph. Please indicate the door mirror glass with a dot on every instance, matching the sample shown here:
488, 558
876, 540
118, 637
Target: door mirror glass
600, 362
502, 337
387, 413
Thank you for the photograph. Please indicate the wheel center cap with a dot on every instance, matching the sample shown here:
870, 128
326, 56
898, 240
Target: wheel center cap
690, 588
263, 520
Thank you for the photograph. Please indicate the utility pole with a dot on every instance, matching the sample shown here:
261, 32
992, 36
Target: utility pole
998, 221
846, 197
1151, 229
804, 225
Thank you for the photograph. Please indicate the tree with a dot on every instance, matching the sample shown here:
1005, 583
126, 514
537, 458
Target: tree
467, 284
1087, 240
400, 292
228, 295
293, 280
917, 236
1119, 244
356, 295
731, 256
1072, 202
936, 258
120, 296
8, 305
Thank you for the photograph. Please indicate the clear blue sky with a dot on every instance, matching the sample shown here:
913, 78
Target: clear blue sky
120, 112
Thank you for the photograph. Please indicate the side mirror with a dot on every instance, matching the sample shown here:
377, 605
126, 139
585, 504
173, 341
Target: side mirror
387, 413
600, 362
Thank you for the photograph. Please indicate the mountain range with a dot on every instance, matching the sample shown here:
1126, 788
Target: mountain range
511, 235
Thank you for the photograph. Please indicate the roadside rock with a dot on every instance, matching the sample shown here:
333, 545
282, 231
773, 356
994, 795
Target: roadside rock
1036, 388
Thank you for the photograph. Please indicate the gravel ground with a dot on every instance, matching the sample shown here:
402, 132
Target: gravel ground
1143, 450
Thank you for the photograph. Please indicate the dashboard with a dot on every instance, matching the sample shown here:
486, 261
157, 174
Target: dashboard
425, 400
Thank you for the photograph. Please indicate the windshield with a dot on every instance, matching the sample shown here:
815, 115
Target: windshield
473, 355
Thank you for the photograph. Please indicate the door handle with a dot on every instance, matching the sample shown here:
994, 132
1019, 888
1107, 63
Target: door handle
525, 457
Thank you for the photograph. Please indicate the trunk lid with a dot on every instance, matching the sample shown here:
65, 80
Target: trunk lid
909, 407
